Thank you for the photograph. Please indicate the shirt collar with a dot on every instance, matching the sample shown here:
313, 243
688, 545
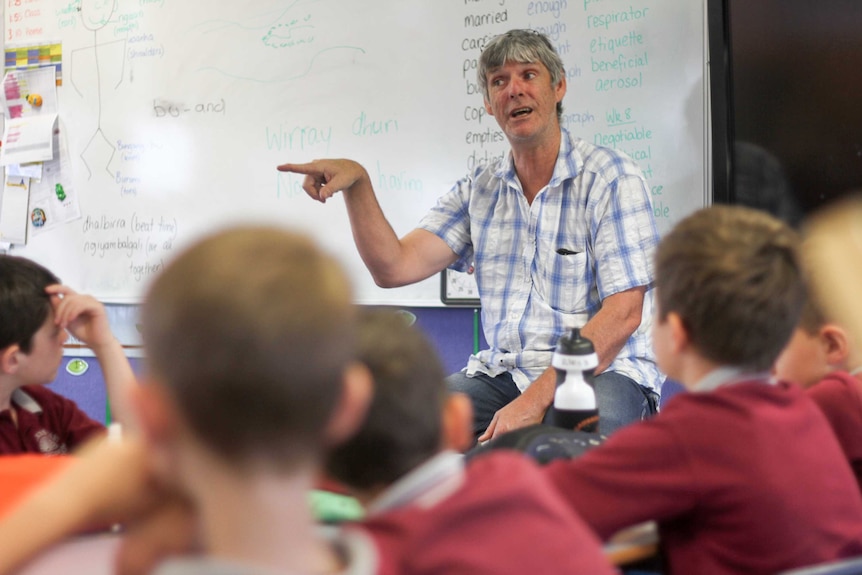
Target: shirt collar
358, 551
726, 375
567, 165
23, 400
427, 484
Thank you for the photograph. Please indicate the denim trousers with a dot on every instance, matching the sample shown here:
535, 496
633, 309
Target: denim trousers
620, 399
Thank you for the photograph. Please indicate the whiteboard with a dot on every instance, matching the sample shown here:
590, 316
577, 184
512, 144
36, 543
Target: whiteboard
174, 114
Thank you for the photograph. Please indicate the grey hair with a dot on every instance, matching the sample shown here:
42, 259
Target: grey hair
523, 46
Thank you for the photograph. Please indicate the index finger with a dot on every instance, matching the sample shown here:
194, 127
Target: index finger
57, 292
307, 169
59, 289
489, 431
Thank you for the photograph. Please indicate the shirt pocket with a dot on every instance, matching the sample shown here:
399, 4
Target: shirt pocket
564, 277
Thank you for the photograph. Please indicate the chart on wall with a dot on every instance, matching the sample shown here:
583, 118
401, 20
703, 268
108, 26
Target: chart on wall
173, 114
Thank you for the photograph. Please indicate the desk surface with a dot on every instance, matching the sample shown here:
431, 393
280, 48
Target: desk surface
94, 554
85, 555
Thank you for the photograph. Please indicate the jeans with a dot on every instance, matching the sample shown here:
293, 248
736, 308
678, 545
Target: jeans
620, 399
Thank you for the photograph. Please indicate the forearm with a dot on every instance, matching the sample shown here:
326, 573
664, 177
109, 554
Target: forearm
119, 378
376, 241
540, 393
393, 262
21, 538
614, 324
106, 483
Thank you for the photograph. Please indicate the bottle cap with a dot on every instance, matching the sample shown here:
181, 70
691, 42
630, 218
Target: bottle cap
575, 352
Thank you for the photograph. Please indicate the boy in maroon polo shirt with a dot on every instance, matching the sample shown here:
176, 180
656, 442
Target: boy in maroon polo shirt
823, 358
431, 512
35, 314
428, 512
743, 474
249, 335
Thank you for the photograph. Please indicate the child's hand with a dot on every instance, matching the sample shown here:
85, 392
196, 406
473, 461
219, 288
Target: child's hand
82, 315
167, 530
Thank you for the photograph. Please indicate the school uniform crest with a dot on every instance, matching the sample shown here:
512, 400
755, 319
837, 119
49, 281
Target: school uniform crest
49, 443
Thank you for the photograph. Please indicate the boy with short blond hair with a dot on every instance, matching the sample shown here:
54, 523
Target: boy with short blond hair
823, 358
250, 377
743, 474
250, 338
35, 313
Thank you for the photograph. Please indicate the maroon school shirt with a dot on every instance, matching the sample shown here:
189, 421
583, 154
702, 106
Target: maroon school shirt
839, 395
748, 478
504, 519
48, 423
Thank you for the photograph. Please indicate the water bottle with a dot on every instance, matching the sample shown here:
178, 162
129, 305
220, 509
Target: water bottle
575, 399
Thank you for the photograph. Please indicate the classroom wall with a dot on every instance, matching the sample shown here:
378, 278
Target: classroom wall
451, 330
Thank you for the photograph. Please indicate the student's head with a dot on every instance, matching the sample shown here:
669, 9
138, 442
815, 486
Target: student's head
31, 346
523, 47
412, 416
817, 347
729, 283
250, 339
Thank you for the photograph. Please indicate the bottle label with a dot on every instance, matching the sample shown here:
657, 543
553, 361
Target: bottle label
579, 362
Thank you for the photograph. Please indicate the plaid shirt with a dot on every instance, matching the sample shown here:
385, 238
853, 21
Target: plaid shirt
545, 267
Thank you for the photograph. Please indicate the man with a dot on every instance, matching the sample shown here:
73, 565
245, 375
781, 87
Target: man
560, 234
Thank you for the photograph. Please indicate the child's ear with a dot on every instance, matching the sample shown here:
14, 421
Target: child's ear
349, 413
837, 345
679, 337
154, 410
156, 418
458, 422
9, 359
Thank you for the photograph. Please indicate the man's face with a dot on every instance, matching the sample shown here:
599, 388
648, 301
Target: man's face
803, 360
40, 365
523, 101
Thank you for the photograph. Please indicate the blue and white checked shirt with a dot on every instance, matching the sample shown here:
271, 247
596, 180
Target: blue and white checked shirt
596, 206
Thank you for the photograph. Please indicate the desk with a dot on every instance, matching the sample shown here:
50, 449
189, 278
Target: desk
84, 555
94, 554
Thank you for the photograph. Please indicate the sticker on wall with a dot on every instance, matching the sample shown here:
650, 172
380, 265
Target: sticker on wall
77, 366
409, 317
38, 217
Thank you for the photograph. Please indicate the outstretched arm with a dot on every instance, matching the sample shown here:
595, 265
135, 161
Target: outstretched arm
392, 261
85, 318
106, 483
